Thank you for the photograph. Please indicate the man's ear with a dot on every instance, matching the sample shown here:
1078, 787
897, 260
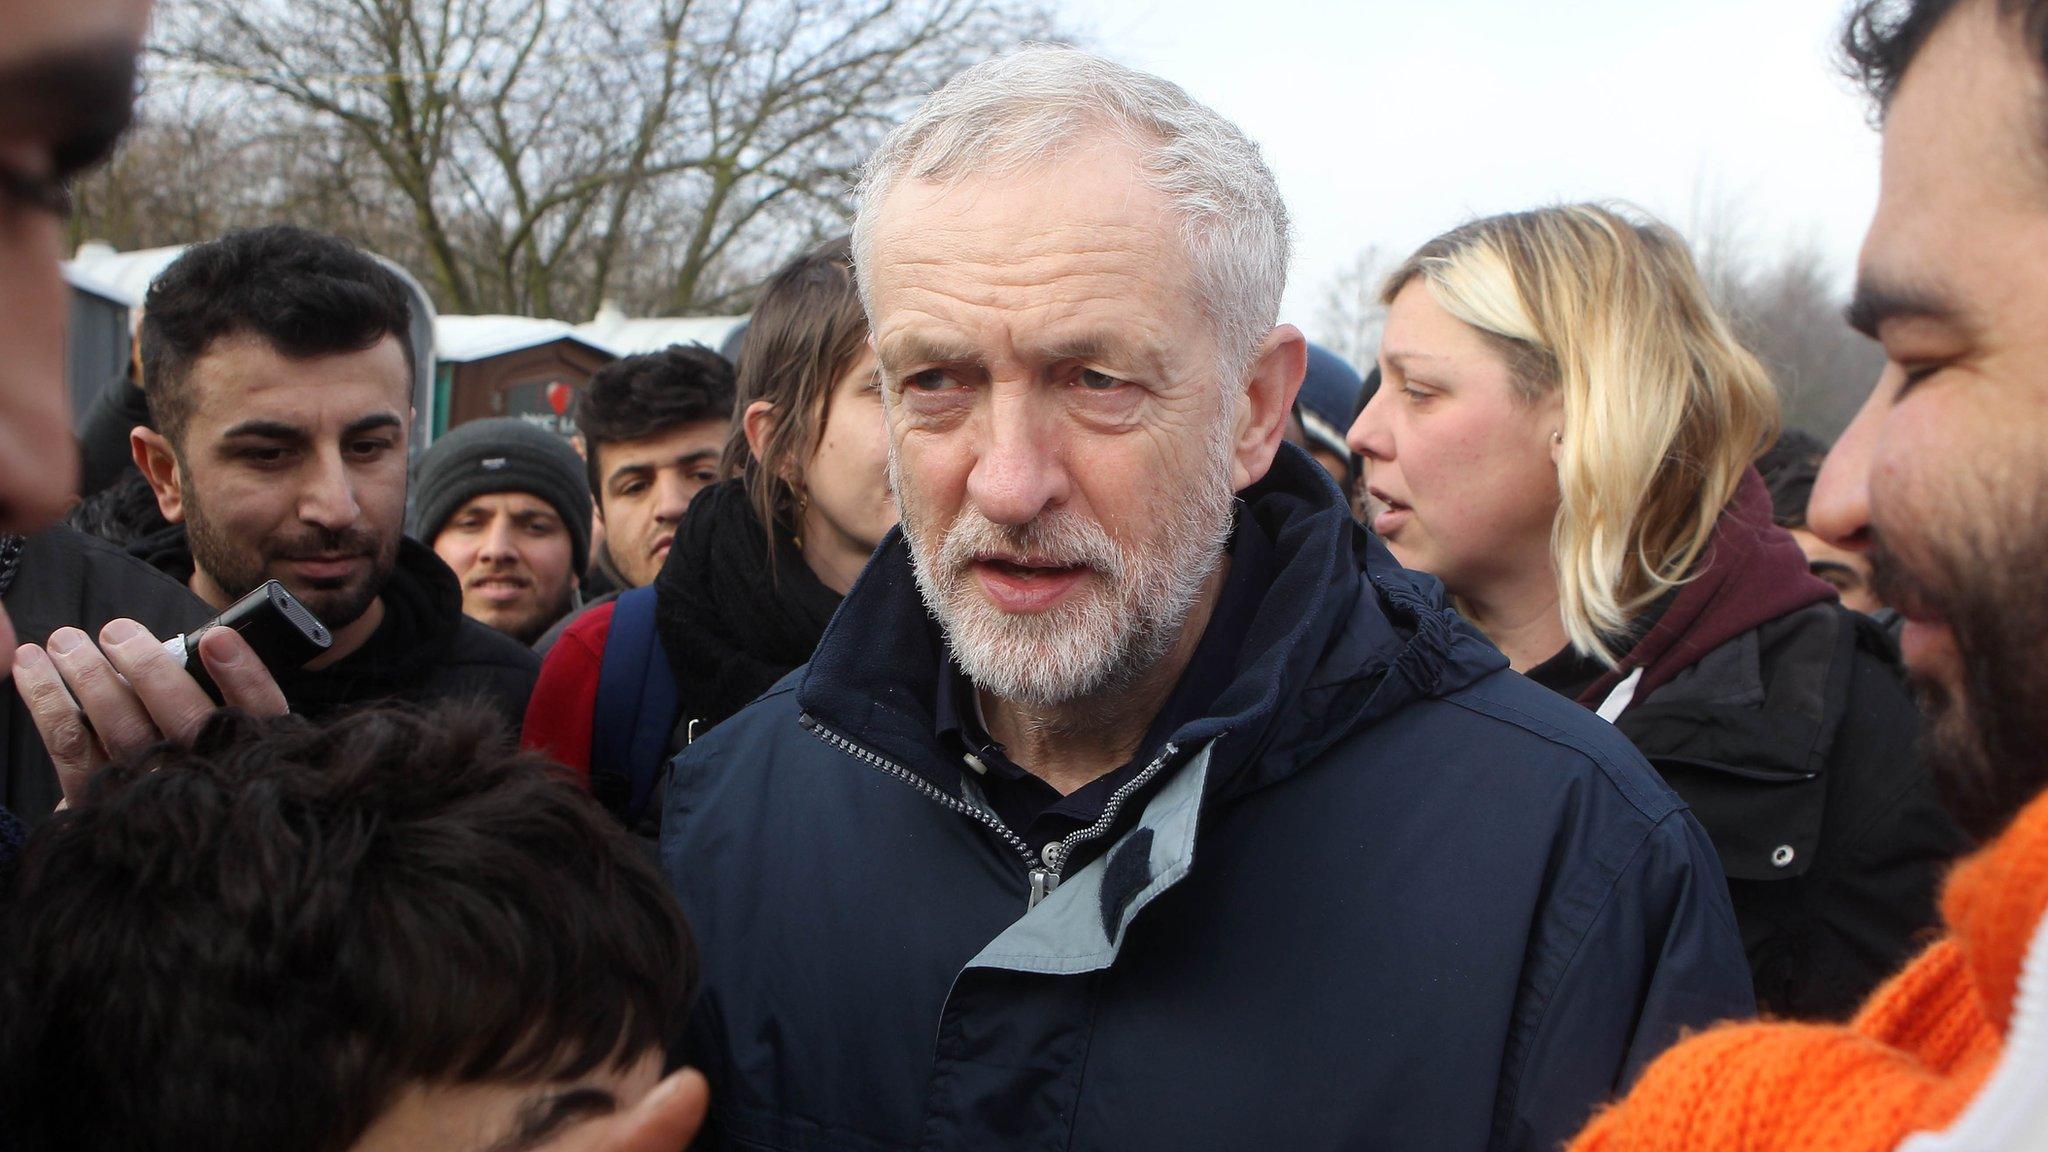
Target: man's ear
1269, 390
159, 465
758, 421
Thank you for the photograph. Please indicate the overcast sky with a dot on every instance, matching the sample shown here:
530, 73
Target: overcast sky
1388, 121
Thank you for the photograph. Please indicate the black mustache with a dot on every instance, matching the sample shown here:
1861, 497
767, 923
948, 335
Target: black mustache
1898, 586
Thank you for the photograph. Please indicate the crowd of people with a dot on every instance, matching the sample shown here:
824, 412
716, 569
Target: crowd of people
1025, 694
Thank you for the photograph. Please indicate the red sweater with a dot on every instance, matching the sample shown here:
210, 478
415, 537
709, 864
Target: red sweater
564, 704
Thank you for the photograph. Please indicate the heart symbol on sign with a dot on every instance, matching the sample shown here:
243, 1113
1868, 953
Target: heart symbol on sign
559, 395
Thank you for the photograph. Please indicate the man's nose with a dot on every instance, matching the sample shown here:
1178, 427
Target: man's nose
1018, 468
672, 492
496, 545
1838, 509
328, 497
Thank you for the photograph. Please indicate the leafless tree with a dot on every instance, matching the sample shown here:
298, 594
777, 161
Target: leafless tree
539, 156
1351, 318
1784, 304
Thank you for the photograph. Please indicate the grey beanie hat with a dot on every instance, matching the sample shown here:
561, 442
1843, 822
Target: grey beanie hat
502, 454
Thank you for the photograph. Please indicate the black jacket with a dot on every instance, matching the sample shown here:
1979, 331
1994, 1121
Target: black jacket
68, 578
1781, 718
424, 651
1382, 894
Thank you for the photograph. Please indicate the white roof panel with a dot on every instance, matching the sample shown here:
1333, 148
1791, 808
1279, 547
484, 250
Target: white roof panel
463, 339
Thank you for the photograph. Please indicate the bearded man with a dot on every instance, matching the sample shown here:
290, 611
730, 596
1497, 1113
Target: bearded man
1135, 797
278, 370
1940, 481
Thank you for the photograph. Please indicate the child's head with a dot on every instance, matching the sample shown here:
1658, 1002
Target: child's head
322, 937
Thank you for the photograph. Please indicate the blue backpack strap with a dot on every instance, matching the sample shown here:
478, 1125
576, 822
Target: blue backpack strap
636, 702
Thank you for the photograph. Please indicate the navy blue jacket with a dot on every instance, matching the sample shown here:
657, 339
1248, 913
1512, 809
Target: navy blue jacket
1387, 894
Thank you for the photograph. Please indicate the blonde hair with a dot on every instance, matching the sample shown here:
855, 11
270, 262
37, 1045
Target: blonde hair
1664, 410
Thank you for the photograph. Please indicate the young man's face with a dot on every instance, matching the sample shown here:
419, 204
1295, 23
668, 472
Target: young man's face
66, 71
1943, 476
293, 470
505, 1117
515, 560
646, 485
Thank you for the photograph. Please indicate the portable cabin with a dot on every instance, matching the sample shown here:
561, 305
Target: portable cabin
632, 336
511, 366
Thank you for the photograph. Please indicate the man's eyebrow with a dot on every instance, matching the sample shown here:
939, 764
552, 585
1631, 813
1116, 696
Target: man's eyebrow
374, 423
543, 1117
1878, 301
913, 348
630, 467
80, 98
267, 429
1103, 348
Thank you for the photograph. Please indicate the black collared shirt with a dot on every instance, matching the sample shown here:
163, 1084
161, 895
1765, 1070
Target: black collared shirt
1033, 809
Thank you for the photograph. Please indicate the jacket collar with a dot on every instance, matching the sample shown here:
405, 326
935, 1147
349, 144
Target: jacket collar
1341, 637
1751, 573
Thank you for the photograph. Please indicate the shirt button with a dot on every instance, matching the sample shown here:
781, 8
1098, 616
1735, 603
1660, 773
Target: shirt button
975, 763
1782, 855
1050, 854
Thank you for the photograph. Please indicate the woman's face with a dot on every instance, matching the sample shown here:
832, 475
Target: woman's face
847, 479
1460, 469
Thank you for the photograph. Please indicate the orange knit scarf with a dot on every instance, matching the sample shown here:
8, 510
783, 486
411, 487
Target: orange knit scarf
1910, 1061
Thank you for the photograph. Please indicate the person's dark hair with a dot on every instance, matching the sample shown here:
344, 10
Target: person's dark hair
646, 395
306, 293
808, 328
121, 513
1789, 468
1881, 38
260, 941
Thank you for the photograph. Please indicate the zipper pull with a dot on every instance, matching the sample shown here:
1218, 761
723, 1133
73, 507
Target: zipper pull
1043, 881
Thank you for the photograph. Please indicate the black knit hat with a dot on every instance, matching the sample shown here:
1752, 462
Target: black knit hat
504, 454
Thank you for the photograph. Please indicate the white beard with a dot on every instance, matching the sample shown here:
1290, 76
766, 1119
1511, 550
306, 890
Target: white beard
1115, 627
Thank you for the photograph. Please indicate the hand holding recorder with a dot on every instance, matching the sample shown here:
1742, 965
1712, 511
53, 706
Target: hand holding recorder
94, 702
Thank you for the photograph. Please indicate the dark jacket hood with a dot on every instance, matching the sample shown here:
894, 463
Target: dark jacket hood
1752, 573
1342, 637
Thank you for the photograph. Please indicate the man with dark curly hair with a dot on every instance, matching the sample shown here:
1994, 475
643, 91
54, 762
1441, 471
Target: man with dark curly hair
393, 931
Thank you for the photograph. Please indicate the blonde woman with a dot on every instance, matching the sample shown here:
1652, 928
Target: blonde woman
1564, 436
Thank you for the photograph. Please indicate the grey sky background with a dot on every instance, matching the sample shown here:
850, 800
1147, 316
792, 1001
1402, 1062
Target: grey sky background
1387, 121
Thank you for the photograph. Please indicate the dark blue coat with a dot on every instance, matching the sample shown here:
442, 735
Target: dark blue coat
1386, 895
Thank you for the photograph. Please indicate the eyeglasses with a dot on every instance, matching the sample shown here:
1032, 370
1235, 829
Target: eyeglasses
50, 194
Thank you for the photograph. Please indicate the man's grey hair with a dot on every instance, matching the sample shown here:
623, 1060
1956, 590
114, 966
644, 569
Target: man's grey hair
1022, 109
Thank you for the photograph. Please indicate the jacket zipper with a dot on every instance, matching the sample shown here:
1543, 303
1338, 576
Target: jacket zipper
891, 768
1042, 872
1063, 850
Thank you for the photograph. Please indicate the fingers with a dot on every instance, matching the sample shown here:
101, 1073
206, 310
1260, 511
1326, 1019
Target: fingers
73, 748
169, 702
665, 1120
93, 702
111, 707
239, 673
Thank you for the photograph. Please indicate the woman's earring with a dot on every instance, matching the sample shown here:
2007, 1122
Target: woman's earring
1557, 437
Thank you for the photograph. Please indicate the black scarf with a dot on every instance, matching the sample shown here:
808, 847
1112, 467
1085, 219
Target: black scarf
730, 631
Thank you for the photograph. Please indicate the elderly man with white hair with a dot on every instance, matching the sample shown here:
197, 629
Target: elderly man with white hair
1135, 797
